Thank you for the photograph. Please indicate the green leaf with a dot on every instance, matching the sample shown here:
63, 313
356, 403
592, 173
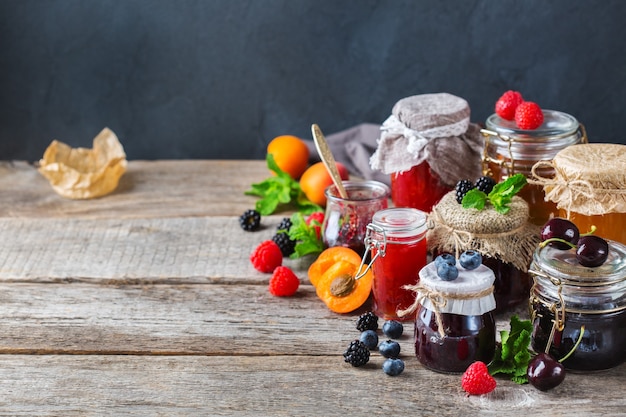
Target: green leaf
305, 235
474, 199
509, 187
513, 356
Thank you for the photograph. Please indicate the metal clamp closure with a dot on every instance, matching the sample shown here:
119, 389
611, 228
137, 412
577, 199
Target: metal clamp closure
372, 243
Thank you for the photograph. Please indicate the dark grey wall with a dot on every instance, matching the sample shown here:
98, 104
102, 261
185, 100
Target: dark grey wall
220, 78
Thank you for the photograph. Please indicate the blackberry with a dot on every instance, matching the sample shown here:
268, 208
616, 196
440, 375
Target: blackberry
462, 187
286, 245
357, 353
250, 220
285, 224
485, 184
367, 321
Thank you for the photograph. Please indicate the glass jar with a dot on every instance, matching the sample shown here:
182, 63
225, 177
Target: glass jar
589, 187
419, 188
346, 220
509, 150
396, 238
569, 296
455, 325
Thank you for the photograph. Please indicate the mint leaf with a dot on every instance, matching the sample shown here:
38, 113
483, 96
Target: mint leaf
474, 199
512, 356
305, 237
279, 190
508, 187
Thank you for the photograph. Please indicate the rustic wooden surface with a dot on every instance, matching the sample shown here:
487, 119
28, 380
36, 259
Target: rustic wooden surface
144, 303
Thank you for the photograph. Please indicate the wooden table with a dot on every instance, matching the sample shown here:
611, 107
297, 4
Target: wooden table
144, 303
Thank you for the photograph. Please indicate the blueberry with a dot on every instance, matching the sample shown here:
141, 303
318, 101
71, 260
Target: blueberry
389, 349
470, 259
393, 366
445, 258
447, 272
369, 339
393, 329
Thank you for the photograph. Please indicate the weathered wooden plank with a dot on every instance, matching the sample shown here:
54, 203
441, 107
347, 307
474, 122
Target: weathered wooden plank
174, 250
174, 320
147, 189
276, 386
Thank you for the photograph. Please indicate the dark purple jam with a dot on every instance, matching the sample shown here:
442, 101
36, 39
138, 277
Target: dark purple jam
603, 345
468, 339
511, 287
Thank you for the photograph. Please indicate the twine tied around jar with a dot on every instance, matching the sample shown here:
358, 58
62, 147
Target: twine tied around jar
510, 238
438, 299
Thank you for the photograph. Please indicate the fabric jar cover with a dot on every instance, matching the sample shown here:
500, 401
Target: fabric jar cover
434, 128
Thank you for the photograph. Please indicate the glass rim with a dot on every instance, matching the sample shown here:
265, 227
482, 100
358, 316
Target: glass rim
332, 194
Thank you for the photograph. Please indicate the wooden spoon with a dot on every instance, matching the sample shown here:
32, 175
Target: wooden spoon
327, 158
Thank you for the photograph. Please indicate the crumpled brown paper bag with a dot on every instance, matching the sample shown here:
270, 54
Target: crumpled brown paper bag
80, 173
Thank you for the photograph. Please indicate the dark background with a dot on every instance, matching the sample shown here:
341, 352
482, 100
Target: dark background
221, 78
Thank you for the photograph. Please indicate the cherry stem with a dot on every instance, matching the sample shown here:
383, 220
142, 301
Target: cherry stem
556, 239
580, 338
591, 231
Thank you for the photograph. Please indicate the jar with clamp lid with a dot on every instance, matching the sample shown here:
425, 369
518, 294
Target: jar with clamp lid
396, 238
568, 299
454, 326
509, 150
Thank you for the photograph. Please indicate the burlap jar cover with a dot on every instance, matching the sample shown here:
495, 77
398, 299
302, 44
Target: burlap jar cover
507, 237
589, 179
434, 128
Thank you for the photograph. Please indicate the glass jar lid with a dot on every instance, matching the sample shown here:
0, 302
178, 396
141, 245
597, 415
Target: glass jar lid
470, 294
557, 131
400, 222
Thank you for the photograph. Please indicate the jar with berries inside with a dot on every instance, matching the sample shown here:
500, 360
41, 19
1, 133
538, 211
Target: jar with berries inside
493, 222
589, 187
514, 140
454, 304
578, 299
425, 145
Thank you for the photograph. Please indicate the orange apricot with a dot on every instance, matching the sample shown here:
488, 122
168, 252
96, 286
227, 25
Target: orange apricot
290, 154
327, 258
316, 179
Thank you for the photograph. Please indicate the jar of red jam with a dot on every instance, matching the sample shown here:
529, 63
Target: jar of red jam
505, 241
574, 299
588, 187
510, 150
455, 325
346, 219
426, 146
396, 238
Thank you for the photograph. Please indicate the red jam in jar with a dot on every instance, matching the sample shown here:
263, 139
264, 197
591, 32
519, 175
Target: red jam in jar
465, 309
346, 219
569, 296
398, 244
418, 188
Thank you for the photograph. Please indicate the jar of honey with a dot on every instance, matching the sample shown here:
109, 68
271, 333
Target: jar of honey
426, 146
568, 299
346, 219
589, 187
454, 325
505, 241
509, 150
396, 238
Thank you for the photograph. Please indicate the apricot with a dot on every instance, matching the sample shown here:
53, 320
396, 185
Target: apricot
290, 154
316, 179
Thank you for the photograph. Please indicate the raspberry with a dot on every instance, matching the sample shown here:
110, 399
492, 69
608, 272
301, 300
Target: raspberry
476, 379
267, 256
286, 245
250, 220
528, 116
507, 103
462, 187
357, 353
367, 321
485, 184
283, 283
315, 220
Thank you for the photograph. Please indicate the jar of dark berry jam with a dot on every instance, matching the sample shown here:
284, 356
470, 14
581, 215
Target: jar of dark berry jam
568, 296
454, 325
426, 146
510, 150
396, 238
346, 219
